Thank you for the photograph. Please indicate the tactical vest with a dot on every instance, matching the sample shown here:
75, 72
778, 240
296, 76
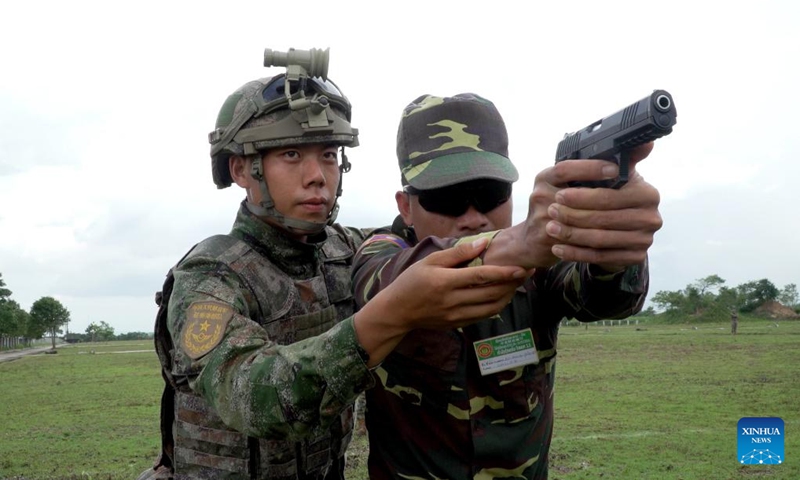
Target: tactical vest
195, 441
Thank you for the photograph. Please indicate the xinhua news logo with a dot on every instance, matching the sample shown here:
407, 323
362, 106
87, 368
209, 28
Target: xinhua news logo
760, 441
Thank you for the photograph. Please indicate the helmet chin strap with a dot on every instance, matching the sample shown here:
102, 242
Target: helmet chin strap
266, 208
343, 168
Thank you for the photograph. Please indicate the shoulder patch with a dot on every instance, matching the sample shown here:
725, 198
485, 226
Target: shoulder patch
205, 327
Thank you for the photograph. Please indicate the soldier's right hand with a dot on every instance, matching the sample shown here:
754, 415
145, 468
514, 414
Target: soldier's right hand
436, 293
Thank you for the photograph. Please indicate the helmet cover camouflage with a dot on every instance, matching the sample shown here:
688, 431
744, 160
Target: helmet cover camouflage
442, 141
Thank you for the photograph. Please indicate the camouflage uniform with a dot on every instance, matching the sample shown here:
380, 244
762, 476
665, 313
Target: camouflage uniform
432, 414
266, 367
257, 342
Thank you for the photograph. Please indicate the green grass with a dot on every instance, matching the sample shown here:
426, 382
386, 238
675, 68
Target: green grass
660, 402
663, 401
80, 415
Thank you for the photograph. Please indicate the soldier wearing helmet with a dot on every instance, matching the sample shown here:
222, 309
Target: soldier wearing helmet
477, 402
260, 349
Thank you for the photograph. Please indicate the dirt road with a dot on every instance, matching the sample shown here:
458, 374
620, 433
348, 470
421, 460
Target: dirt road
15, 354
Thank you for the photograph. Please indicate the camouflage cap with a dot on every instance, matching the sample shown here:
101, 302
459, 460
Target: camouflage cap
442, 141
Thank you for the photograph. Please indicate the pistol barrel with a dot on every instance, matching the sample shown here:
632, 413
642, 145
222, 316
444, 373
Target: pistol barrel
610, 138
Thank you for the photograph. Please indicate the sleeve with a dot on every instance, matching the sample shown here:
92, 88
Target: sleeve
593, 294
384, 256
257, 386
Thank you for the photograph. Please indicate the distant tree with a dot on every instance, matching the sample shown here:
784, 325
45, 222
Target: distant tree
91, 330
4, 292
695, 301
102, 331
728, 298
670, 301
789, 296
34, 330
13, 319
135, 336
755, 293
8, 323
48, 315
708, 284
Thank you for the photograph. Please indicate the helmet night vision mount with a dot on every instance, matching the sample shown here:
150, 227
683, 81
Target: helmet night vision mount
300, 65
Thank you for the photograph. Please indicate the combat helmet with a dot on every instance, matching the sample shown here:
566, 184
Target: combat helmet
301, 106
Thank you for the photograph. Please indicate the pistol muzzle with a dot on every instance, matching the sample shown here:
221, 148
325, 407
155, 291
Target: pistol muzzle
663, 102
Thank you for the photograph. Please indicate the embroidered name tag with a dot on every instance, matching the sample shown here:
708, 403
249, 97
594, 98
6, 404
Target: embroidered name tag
205, 327
507, 351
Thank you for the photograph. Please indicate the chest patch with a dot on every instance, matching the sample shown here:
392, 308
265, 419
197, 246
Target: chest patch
205, 327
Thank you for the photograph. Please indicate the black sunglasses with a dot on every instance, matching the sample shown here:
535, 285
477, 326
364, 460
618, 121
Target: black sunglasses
454, 201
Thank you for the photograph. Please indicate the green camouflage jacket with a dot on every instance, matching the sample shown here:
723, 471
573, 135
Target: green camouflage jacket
265, 354
432, 414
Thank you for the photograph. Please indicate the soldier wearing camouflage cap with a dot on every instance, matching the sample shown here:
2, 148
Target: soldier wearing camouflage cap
477, 402
261, 353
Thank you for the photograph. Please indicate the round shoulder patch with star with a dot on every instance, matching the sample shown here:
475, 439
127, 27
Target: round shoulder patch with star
205, 327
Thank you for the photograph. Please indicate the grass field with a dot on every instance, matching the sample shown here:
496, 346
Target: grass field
632, 402
663, 402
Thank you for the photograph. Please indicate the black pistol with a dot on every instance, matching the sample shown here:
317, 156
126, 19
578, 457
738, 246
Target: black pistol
612, 137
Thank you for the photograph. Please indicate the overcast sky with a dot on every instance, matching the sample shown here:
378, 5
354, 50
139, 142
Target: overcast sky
105, 108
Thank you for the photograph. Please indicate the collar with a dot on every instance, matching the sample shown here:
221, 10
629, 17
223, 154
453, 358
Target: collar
296, 258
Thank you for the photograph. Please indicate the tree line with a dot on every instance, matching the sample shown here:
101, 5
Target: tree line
47, 317
705, 299
710, 298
